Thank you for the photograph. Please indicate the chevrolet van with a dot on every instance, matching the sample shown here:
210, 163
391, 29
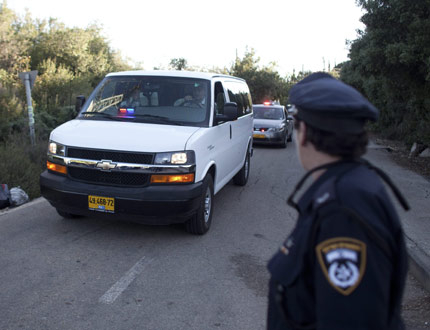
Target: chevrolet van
152, 147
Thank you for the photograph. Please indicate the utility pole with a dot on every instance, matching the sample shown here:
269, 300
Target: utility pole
28, 79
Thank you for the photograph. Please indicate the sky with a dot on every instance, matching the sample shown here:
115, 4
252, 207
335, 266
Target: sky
295, 34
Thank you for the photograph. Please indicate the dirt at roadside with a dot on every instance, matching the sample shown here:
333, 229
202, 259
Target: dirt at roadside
400, 154
416, 300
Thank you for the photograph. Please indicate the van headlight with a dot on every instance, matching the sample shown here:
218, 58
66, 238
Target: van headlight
175, 158
56, 149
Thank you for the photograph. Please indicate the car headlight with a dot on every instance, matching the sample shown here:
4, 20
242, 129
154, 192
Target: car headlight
276, 129
56, 149
175, 158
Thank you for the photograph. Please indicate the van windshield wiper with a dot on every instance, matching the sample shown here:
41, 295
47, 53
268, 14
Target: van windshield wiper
155, 118
106, 115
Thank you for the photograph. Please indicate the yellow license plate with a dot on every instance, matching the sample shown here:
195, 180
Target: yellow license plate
101, 204
259, 136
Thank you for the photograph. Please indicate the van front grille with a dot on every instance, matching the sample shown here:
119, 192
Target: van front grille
115, 156
109, 178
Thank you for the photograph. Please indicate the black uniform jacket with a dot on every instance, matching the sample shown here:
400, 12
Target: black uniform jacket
345, 263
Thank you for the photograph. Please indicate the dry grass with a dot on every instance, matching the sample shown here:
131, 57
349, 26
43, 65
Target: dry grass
21, 164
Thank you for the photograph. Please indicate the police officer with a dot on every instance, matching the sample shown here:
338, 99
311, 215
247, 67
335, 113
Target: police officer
344, 265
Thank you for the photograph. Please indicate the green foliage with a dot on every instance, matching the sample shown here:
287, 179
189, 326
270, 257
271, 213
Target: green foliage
295, 78
13, 45
178, 64
264, 82
69, 61
53, 85
390, 64
11, 108
23, 164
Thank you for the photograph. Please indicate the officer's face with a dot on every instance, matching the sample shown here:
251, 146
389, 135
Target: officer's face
305, 150
298, 135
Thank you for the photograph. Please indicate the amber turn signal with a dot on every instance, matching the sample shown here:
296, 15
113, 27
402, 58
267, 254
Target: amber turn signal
173, 178
56, 168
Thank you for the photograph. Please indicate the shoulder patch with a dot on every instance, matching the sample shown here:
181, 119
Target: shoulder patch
343, 262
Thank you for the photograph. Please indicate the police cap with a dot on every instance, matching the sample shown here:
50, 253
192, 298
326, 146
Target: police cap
331, 105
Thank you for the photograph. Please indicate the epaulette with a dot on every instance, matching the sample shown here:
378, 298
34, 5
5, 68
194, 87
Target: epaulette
325, 194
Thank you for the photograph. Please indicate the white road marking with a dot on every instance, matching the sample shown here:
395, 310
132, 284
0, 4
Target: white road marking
114, 292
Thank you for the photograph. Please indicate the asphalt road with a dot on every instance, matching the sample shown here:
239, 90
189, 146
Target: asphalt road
93, 274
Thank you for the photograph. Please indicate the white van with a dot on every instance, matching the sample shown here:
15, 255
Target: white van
152, 147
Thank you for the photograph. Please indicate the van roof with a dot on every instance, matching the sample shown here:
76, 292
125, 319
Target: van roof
184, 74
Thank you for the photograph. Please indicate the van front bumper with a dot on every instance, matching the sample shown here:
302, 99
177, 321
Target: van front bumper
155, 204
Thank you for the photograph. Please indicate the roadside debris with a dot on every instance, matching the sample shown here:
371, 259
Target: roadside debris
4, 196
417, 149
13, 197
425, 153
18, 196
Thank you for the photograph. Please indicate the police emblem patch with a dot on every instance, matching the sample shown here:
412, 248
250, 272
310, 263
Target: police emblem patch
343, 262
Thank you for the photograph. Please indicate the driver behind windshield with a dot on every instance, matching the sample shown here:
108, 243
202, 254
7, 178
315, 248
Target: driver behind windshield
197, 99
268, 113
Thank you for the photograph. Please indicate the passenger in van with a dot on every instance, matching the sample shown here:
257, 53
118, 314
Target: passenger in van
135, 99
197, 99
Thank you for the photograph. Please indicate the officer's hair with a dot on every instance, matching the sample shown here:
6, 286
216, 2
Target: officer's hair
337, 144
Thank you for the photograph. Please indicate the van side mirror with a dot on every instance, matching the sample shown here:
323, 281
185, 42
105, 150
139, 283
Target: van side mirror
80, 100
230, 113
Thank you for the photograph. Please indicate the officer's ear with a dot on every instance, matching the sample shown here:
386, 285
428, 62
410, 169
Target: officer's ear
301, 134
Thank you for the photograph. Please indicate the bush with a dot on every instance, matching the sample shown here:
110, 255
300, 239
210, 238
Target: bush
22, 163
389, 63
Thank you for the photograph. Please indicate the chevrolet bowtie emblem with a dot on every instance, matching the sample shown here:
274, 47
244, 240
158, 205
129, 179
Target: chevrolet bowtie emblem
106, 165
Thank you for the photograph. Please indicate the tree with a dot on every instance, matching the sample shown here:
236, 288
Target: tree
70, 61
390, 63
13, 44
13, 59
265, 83
295, 78
178, 64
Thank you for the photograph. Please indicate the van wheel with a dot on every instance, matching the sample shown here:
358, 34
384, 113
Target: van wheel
201, 221
67, 215
241, 178
290, 137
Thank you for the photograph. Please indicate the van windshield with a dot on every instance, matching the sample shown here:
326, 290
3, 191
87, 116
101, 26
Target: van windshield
150, 99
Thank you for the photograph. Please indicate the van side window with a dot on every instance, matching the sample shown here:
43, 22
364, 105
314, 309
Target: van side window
248, 101
238, 92
219, 98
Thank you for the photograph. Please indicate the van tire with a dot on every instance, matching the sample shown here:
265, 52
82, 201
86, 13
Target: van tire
201, 221
241, 178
